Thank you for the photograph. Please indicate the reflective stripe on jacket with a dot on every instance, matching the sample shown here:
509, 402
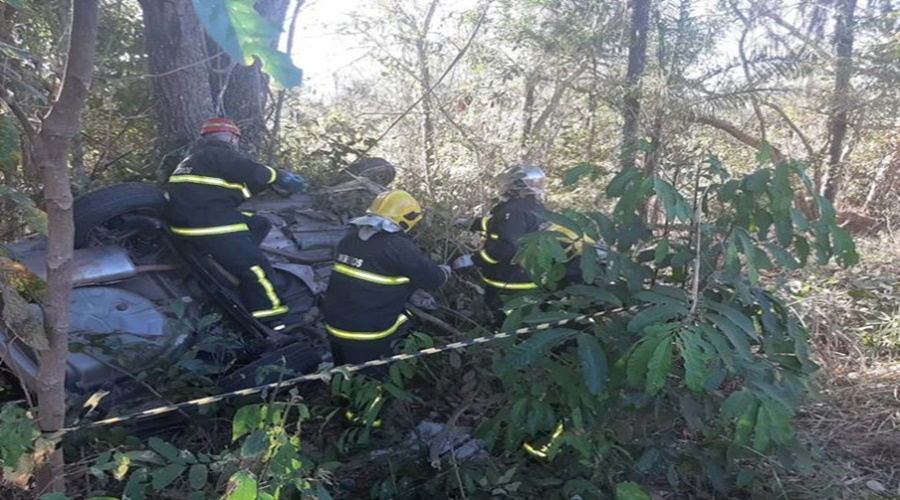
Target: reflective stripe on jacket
507, 222
207, 187
371, 282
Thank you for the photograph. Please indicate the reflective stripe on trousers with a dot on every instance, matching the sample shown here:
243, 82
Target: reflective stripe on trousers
264, 282
344, 334
542, 451
210, 230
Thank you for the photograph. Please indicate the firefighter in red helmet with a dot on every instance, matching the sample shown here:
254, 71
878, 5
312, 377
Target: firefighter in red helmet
204, 193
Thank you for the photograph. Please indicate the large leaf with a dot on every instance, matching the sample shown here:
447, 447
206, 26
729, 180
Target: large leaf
593, 363
630, 491
658, 367
656, 314
241, 486
244, 34
694, 352
536, 347
165, 476
577, 172
596, 293
640, 358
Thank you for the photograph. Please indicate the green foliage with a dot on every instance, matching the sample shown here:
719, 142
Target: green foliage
264, 463
17, 438
31, 214
707, 351
244, 35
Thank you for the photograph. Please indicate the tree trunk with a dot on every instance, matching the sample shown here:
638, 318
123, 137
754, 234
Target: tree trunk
51, 147
528, 111
840, 97
428, 138
177, 58
637, 59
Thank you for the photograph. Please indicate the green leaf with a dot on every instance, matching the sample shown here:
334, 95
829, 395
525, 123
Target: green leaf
561, 220
19, 4
658, 367
535, 347
593, 363
630, 491
756, 182
749, 251
734, 334
666, 193
166, 450
244, 34
135, 488
574, 174
764, 154
620, 182
844, 247
783, 257
736, 316
241, 486
745, 425
56, 496
589, 263
34, 216
639, 359
165, 476
763, 430
198, 476
247, 419
255, 444
695, 357
801, 245
738, 403
597, 293
662, 250
656, 314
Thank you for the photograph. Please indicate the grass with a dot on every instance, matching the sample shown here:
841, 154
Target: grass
853, 421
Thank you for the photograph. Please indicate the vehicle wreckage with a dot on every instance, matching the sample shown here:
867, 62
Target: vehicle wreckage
133, 283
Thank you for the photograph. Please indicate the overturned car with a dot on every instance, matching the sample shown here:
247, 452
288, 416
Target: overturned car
135, 288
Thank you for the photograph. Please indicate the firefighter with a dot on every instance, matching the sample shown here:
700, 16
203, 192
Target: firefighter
376, 271
204, 193
521, 190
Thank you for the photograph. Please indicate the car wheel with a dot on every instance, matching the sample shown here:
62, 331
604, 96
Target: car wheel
108, 205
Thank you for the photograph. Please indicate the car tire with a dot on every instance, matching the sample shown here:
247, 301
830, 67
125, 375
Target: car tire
381, 172
298, 357
97, 207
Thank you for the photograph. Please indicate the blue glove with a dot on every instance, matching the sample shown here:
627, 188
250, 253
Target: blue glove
290, 182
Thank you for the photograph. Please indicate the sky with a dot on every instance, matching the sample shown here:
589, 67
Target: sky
319, 50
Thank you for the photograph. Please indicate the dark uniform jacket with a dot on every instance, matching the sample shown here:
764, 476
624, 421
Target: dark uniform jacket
371, 283
507, 222
207, 187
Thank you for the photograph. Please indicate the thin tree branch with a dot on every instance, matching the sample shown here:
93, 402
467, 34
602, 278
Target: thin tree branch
738, 134
19, 113
793, 126
458, 57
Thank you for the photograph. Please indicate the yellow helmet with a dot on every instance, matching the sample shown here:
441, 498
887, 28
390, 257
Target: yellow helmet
398, 206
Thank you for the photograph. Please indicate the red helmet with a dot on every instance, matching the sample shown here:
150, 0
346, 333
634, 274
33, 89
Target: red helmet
219, 125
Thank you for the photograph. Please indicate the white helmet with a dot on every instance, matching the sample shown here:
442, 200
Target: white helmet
522, 180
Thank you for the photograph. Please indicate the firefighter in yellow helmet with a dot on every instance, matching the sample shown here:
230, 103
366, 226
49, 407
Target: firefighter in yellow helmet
377, 269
